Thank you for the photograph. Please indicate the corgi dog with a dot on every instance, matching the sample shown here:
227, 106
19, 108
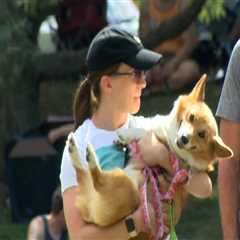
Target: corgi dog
189, 130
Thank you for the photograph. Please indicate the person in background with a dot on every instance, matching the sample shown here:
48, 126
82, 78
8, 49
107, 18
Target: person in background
78, 22
229, 175
50, 226
179, 69
124, 14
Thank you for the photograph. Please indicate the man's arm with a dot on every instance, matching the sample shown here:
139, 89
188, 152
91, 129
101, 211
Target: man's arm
229, 179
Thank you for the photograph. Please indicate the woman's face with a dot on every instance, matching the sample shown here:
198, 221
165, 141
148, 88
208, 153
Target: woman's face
127, 86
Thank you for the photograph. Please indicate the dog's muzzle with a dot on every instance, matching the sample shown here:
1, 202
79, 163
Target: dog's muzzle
182, 141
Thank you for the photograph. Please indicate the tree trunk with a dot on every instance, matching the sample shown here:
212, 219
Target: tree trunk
19, 107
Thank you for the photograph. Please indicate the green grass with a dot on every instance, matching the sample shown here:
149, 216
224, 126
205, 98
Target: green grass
10, 231
200, 220
13, 232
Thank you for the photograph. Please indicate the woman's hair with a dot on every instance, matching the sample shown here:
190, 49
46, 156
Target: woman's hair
87, 96
57, 201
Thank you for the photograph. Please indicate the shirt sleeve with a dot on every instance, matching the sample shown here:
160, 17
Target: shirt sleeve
229, 103
68, 173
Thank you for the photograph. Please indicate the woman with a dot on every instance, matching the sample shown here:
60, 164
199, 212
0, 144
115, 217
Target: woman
105, 102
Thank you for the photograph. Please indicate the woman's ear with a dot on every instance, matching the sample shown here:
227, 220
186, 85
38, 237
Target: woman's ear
105, 83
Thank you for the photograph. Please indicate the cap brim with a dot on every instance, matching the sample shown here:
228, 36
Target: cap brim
144, 59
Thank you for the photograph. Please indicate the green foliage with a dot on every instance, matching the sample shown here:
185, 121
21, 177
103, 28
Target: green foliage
212, 10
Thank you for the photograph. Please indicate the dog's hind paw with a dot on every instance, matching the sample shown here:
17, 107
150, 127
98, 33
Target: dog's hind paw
73, 151
91, 157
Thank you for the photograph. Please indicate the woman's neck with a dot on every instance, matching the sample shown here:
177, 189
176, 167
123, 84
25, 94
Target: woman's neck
109, 120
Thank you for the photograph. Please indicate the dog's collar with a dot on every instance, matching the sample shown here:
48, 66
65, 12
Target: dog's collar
184, 163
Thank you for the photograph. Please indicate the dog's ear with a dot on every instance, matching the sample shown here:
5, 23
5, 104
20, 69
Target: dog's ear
221, 150
198, 92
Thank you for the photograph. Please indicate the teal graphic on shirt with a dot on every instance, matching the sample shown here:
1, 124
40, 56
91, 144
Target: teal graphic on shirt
110, 157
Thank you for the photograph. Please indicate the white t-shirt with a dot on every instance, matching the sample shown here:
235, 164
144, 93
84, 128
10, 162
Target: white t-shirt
109, 156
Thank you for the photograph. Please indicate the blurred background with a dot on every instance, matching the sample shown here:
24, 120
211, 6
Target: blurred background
43, 46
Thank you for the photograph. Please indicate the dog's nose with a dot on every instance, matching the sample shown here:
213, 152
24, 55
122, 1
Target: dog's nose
184, 139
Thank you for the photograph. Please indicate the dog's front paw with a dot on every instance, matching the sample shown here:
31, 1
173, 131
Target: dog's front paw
73, 151
128, 135
122, 138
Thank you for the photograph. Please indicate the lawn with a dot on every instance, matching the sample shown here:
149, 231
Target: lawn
10, 231
200, 219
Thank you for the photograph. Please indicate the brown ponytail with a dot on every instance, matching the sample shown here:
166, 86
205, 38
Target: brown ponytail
81, 103
87, 95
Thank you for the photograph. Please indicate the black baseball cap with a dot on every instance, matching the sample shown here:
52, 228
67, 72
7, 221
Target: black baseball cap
113, 45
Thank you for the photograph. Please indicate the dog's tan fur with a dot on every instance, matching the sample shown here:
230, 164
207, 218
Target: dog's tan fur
106, 197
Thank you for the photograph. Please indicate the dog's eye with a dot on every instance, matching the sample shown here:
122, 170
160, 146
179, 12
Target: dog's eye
201, 134
191, 118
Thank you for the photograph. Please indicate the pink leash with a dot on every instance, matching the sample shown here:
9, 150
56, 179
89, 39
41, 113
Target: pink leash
150, 175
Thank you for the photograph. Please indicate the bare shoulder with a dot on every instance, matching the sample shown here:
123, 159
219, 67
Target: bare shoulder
36, 229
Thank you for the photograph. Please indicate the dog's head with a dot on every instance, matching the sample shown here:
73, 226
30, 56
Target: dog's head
197, 139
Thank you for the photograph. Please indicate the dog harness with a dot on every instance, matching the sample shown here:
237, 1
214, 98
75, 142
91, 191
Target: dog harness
151, 175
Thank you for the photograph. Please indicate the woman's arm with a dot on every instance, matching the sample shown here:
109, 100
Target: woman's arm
228, 180
79, 230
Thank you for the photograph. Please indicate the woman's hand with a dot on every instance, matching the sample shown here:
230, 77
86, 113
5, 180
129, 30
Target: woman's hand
139, 222
199, 185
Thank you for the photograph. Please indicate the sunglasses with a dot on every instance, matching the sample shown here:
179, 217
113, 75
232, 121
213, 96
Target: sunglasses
137, 74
